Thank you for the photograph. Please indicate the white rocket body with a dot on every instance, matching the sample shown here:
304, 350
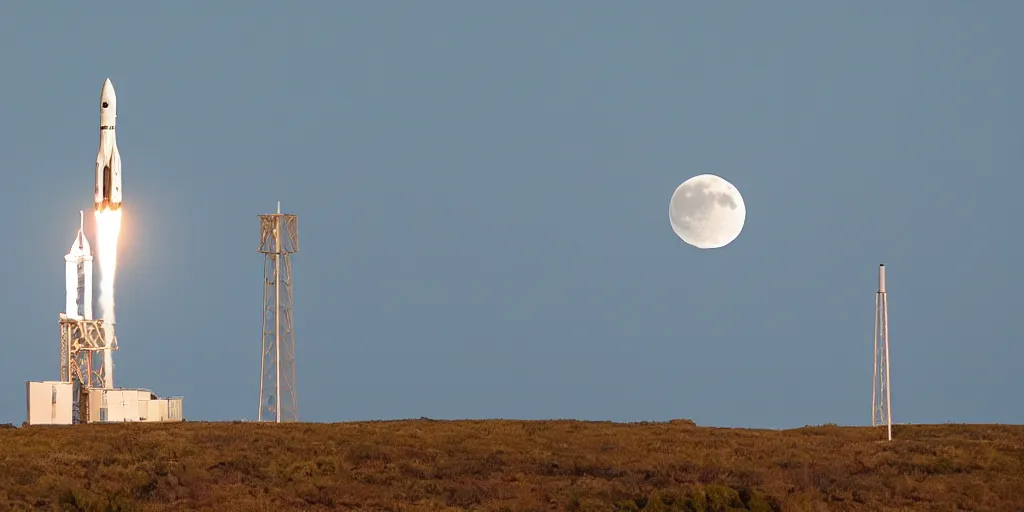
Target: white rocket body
78, 276
108, 159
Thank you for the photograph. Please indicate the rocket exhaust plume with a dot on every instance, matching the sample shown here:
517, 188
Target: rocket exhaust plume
108, 218
108, 228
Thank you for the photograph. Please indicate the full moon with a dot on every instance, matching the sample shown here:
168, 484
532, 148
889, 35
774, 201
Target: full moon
707, 212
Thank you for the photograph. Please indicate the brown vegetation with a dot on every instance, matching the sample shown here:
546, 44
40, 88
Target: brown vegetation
509, 465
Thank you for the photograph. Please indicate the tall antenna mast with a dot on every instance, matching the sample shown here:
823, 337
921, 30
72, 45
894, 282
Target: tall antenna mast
881, 407
279, 238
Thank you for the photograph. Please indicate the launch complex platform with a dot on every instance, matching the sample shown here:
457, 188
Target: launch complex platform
84, 391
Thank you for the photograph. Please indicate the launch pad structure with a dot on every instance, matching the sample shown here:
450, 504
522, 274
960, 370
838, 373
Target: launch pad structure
881, 406
84, 391
81, 352
279, 239
83, 347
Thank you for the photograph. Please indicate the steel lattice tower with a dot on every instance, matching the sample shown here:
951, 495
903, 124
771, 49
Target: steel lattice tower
881, 407
81, 352
279, 238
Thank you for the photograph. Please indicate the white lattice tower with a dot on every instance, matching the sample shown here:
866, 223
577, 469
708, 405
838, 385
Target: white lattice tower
881, 406
279, 239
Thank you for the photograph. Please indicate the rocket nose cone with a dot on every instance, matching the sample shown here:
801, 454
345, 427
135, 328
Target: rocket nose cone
107, 93
108, 103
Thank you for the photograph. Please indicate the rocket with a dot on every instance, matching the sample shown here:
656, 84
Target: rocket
108, 160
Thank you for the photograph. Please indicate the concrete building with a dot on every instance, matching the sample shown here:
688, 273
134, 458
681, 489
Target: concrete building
119, 405
56, 403
49, 402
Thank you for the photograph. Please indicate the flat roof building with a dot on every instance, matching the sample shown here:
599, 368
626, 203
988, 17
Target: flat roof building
64, 403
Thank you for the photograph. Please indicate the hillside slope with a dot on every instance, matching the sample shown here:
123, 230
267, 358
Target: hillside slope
509, 465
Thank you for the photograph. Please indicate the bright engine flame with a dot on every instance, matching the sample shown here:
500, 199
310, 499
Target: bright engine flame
108, 228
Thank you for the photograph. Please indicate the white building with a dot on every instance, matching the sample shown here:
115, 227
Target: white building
53, 403
118, 405
49, 402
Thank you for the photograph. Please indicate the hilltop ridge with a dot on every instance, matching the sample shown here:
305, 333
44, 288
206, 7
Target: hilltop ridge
509, 465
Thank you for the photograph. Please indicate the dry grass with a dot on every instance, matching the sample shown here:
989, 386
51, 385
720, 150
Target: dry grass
509, 465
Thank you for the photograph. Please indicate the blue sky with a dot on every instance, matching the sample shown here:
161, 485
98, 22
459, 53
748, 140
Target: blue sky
482, 191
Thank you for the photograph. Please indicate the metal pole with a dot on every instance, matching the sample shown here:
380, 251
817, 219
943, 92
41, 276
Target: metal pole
888, 384
277, 310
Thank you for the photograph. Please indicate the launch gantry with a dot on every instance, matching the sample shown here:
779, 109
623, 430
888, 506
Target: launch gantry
82, 343
81, 351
